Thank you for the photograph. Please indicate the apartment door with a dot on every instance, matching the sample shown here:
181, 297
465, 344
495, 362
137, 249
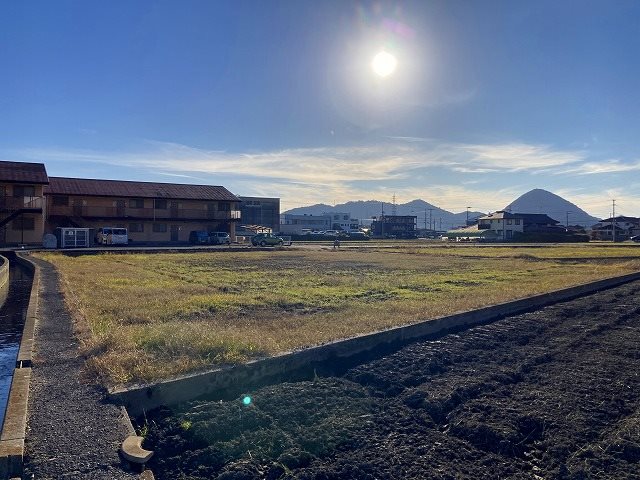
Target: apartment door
173, 208
120, 206
175, 233
77, 207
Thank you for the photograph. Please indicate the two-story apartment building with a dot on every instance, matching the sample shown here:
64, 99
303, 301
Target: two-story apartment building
152, 212
22, 207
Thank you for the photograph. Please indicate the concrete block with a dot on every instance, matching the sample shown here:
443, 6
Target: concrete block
133, 452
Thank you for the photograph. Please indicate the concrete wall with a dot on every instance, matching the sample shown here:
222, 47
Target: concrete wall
226, 382
4, 280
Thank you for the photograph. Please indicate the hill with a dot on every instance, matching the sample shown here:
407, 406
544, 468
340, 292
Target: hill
542, 201
441, 219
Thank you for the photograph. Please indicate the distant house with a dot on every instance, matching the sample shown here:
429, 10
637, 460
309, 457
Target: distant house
394, 226
507, 226
625, 227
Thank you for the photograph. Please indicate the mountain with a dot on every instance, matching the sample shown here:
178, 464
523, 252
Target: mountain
441, 219
542, 201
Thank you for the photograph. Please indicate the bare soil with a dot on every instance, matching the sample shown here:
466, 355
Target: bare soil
548, 394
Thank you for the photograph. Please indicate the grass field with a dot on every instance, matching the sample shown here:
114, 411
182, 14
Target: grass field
143, 317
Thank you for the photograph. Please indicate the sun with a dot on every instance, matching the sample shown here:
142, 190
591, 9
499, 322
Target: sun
384, 64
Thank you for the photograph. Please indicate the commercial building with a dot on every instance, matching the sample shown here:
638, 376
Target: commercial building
343, 221
260, 213
394, 226
298, 224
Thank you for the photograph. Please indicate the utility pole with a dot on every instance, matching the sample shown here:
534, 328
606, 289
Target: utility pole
467, 224
425, 219
613, 219
430, 210
568, 220
393, 206
382, 222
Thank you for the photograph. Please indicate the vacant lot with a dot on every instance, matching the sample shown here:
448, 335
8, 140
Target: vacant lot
146, 317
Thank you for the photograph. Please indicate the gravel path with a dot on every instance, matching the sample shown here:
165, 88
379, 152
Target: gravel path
72, 431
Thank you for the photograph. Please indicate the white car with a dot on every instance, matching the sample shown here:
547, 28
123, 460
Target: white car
112, 236
219, 238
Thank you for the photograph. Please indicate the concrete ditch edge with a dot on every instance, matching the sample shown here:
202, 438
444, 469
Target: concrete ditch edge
4, 279
25, 354
141, 398
15, 419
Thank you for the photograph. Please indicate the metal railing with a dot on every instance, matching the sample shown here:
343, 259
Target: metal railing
142, 213
18, 203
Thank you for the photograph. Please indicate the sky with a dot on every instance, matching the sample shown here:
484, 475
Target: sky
489, 99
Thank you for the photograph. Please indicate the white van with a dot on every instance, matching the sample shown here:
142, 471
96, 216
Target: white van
112, 236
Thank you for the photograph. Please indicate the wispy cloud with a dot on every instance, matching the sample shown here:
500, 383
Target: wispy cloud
607, 166
452, 175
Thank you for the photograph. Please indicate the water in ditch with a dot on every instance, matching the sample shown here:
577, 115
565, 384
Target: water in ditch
12, 316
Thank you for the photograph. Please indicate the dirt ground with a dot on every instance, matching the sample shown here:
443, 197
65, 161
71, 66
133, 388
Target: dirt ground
549, 394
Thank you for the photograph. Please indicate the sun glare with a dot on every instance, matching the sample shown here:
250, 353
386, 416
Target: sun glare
384, 64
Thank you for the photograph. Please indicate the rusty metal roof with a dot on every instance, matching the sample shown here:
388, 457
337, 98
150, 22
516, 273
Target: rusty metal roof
23, 172
121, 188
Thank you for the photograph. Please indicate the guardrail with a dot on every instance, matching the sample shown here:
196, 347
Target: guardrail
143, 213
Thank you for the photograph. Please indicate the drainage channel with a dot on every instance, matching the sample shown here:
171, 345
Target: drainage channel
12, 315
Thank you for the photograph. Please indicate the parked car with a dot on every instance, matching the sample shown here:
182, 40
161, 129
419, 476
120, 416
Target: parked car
220, 238
635, 238
112, 236
266, 239
198, 237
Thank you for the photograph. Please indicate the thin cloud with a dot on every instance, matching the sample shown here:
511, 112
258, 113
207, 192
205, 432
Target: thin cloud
608, 166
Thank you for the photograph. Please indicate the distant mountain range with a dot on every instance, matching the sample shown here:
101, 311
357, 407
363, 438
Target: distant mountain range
535, 201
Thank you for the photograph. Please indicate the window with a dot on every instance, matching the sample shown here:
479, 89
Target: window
24, 191
517, 221
136, 203
159, 227
160, 205
224, 207
60, 200
509, 222
24, 223
136, 227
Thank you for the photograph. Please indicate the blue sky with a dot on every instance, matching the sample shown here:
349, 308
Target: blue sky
489, 99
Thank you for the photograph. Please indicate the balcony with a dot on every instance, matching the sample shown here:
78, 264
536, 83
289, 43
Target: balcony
142, 213
20, 203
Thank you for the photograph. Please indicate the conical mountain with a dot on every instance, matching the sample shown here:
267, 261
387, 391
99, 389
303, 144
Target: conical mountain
542, 201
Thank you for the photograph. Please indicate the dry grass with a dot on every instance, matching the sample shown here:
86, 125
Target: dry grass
153, 316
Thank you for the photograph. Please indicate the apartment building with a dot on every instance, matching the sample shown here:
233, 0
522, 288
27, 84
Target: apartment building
22, 206
152, 212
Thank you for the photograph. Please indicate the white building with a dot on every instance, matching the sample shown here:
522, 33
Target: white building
300, 224
343, 221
